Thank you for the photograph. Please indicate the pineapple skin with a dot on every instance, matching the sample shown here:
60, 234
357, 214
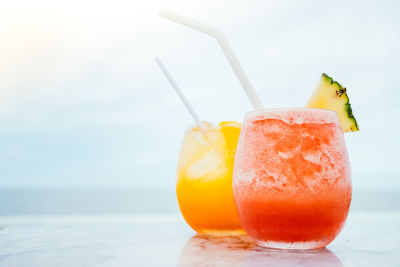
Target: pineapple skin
330, 94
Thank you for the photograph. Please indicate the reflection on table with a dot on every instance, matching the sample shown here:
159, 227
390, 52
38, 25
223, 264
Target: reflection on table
203, 250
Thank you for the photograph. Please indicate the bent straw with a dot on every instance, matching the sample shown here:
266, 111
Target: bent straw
226, 48
179, 92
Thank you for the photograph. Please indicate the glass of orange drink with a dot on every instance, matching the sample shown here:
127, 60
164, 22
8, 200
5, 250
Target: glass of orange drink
204, 178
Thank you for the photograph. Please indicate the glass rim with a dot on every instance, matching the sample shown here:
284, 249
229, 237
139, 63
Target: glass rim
295, 115
213, 124
254, 112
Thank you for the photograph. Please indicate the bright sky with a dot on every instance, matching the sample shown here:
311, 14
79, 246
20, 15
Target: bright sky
82, 102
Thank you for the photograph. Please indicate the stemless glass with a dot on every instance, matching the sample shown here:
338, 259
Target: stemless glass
291, 180
204, 183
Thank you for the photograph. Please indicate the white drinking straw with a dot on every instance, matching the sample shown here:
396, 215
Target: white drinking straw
179, 92
226, 48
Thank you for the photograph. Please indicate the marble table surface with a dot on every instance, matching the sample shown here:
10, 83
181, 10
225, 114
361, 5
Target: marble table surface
368, 239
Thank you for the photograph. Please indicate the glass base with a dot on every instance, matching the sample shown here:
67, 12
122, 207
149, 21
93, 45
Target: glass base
308, 245
216, 232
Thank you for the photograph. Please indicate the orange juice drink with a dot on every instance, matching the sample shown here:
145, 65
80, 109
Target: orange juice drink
204, 182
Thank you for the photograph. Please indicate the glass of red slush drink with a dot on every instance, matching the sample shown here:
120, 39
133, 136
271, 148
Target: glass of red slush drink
291, 181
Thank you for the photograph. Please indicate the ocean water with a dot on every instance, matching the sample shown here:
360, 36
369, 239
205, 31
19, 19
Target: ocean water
140, 201
87, 201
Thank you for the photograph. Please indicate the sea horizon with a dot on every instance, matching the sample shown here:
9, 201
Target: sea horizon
103, 201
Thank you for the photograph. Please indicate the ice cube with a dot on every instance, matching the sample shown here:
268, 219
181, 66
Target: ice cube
210, 166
